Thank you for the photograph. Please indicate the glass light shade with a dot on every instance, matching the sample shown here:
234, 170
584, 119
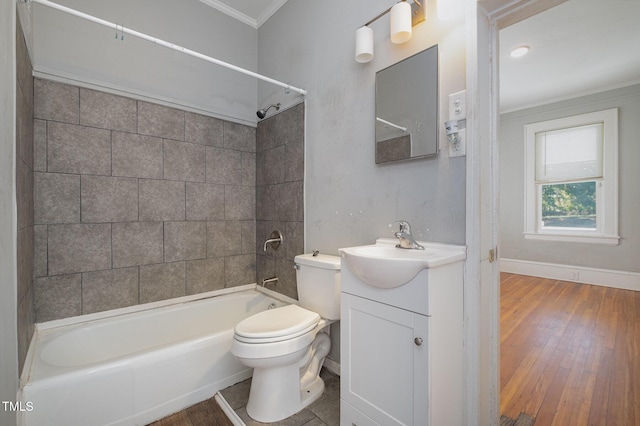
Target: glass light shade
364, 44
400, 22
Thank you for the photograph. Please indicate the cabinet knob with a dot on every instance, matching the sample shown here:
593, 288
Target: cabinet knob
418, 341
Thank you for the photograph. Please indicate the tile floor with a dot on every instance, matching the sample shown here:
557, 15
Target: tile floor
324, 411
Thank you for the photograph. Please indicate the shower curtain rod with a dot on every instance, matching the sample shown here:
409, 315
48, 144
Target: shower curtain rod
120, 28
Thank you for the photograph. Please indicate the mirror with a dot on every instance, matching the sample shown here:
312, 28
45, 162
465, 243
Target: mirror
407, 108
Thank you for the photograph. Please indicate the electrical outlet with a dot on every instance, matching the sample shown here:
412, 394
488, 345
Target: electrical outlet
458, 149
458, 105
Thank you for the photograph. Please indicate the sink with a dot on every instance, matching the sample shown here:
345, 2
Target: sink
383, 265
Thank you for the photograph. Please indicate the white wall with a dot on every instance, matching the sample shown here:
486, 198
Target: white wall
349, 199
67, 47
8, 274
623, 257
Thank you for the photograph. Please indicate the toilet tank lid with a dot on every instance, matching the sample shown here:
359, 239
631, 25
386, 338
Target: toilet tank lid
325, 261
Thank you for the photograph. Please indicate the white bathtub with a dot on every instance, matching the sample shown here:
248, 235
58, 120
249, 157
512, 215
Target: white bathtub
135, 367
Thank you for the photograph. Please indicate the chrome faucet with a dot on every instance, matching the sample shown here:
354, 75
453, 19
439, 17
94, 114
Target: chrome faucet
272, 280
406, 238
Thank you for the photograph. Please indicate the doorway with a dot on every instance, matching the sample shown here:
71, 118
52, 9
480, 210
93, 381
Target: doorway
579, 69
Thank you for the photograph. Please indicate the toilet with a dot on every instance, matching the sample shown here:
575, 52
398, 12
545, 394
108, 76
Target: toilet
286, 346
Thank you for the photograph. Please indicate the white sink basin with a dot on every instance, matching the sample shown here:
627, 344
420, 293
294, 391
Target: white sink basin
383, 265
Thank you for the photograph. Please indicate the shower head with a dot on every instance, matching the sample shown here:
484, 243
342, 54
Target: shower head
262, 113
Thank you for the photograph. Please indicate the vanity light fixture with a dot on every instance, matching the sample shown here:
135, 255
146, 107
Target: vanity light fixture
519, 51
364, 44
400, 23
403, 16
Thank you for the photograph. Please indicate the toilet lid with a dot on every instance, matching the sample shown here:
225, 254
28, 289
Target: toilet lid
275, 324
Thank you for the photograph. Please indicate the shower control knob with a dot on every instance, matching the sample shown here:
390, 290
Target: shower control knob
418, 341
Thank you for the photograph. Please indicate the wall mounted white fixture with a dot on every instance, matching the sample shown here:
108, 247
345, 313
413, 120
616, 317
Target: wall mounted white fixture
364, 44
403, 17
400, 23
451, 127
454, 127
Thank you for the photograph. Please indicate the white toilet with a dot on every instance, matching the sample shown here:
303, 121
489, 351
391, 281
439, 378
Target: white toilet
284, 345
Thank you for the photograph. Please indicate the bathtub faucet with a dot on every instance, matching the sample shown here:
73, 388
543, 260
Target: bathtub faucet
269, 280
406, 238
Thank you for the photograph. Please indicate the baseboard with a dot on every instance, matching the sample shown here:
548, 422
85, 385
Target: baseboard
603, 277
332, 366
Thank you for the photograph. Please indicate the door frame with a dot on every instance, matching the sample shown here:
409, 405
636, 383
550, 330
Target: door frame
483, 21
481, 283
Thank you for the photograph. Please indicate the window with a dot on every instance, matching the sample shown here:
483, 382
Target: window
571, 182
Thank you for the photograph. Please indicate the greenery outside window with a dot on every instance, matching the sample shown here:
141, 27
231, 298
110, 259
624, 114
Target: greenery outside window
571, 183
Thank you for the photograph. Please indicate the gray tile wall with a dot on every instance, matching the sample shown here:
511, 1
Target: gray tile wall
24, 196
136, 202
279, 195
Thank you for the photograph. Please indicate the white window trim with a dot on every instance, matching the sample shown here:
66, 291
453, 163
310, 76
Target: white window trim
608, 228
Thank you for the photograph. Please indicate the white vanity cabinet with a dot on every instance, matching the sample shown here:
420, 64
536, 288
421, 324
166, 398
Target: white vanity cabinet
401, 351
384, 371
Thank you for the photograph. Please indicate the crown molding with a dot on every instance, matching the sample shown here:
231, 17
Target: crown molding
273, 8
244, 18
234, 13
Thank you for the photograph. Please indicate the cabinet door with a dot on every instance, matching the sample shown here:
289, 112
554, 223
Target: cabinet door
384, 362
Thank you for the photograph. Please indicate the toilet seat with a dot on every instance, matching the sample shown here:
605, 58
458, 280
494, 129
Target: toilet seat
276, 325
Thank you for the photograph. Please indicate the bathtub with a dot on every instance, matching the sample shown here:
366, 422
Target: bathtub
137, 365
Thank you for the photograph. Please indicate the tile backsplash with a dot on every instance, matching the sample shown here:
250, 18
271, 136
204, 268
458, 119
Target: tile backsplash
136, 202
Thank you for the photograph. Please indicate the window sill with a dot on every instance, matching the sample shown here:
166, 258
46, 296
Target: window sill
610, 240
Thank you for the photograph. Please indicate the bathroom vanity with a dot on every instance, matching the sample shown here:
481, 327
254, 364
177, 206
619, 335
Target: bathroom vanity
401, 335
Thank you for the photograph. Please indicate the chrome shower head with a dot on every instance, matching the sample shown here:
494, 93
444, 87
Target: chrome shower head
262, 113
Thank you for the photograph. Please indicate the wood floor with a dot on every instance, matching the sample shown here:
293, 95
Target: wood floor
570, 353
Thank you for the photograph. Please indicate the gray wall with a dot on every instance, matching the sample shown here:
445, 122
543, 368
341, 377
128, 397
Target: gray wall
349, 200
306, 52
136, 202
8, 274
69, 48
623, 257
279, 196
24, 195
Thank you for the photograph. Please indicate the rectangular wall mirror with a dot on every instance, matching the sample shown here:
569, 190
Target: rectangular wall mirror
407, 108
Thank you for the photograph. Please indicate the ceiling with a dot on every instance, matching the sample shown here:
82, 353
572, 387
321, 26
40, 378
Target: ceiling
578, 47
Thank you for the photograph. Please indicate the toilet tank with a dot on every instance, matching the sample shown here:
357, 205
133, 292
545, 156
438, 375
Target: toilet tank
318, 281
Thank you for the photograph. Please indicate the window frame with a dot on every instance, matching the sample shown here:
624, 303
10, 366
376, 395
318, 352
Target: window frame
606, 188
